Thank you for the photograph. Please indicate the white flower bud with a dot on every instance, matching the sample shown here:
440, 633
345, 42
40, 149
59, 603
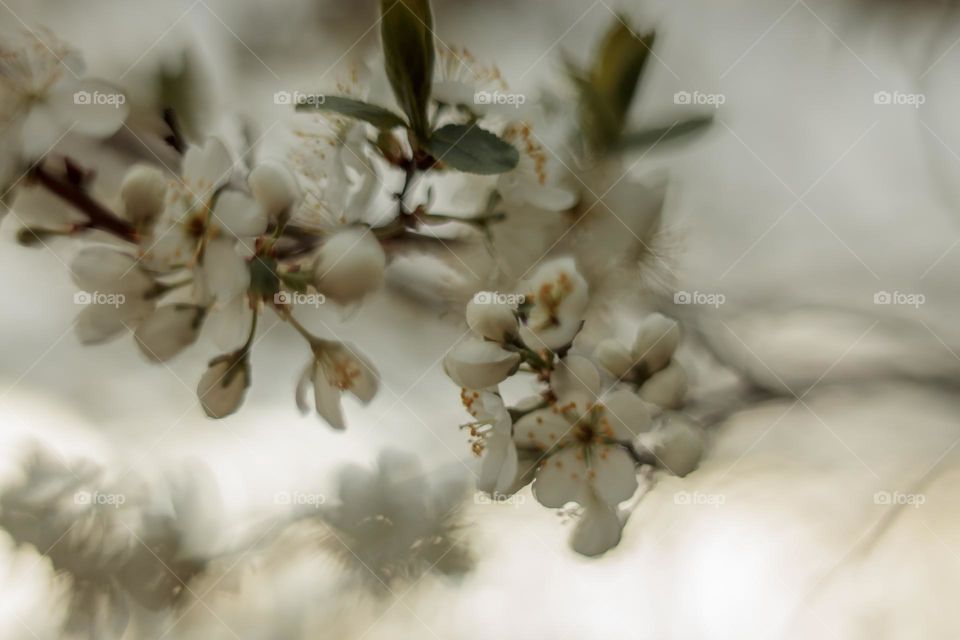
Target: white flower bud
614, 357
143, 192
490, 319
169, 330
223, 386
274, 188
657, 339
681, 446
667, 387
476, 364
350, 265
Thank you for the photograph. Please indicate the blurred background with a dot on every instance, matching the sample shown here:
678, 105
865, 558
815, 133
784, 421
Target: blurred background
822, 206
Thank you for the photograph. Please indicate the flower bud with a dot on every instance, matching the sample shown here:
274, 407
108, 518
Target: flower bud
656, 341
274, 188
667, 387
681, 446
350, 265
143, 192
613, 357
223, 386
475, 364
490, 319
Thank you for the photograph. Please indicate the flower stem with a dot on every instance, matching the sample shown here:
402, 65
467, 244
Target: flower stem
99, 217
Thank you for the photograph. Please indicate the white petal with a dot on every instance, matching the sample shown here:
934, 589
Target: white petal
667, 387
168, 246
681, 446
475, 364
94, 108
207, 168
561, 478
657, 339
274, 188
598, 530
228, 324
626, 415
143, 192
498, 468
352, 371
98, 323
491, 319
542, 429
224, 270
576, 381
350, 265
303, 386
169, 330
614, 357
239, 215
108, 271
613, 474
327, 400
223, 386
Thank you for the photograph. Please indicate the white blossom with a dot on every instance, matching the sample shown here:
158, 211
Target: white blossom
557, 296
143, 193
667, 387
478, 364
583, 438
43, 97
657, 340
335, 369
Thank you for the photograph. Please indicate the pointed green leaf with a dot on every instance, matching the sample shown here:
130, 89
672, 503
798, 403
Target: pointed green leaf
377, 116
470, 149
650, 137
406, 31
619, 66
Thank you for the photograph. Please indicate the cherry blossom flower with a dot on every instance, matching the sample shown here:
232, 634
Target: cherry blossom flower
336, 368
43, 97
582, 435
169, 330
557, 297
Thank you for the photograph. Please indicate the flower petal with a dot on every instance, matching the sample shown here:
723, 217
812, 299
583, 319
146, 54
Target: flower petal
169, 330
207, 168
561, 478
576, 381
626, 415
223, 386
613, 474
327, 400
41, 129
224, 270
239, 215
542, 429
108, 271
475, 364
498, 469
598, 530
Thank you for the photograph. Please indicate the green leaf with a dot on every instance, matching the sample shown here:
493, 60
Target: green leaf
406, 30
377, 116
471, 149
608, 88
649, 137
